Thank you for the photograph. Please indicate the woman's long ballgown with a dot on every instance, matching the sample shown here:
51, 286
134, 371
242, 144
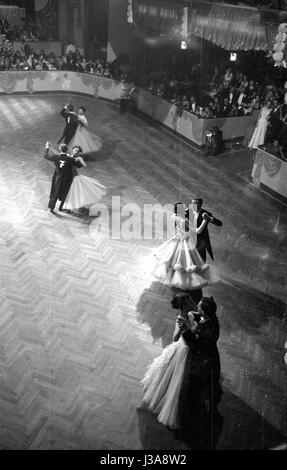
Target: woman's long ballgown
84, 192
85, 139
177, 262
162, 383
259, 133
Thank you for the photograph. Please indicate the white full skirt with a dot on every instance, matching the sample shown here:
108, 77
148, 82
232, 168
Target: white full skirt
259, 133
177, 263
162, 383
84, 192
87, 140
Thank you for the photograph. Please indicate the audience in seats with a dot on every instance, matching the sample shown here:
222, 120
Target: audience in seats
225, 92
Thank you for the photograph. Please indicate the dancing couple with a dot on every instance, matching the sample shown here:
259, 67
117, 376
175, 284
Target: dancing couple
187, 370
180, 262
73, 190
75, 131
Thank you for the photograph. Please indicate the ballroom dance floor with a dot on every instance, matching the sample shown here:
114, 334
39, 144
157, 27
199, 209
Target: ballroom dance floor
81, 320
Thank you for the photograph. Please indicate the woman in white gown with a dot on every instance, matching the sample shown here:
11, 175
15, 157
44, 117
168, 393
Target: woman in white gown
88, 141
163, 379
176, 262
84, 191
259, 133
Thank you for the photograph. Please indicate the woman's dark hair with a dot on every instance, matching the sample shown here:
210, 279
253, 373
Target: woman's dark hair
180, 300
176, 206
78, 147
208, 305
83, 108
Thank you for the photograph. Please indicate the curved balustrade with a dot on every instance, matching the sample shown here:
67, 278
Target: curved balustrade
188, 125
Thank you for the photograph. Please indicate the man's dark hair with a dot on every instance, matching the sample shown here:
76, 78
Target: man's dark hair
64, 148
197, 200
208, 305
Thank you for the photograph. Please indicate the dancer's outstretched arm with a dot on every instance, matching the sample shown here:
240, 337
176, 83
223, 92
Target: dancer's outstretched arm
64, 111
81, 160
47, 155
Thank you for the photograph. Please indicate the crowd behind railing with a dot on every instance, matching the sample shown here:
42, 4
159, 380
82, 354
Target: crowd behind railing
227, 93
27, 59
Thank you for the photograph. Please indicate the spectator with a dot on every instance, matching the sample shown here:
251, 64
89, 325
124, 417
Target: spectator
214, 141
228, 77
232, 95
193, 108
216, 107
215, 78
234, 110
70, 49
185, 103
247, 108
226, 108
207, 113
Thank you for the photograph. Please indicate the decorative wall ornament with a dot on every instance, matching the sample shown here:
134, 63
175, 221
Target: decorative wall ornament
271, 165
47, 18
8, 81
130, 12
55, 77
257, 168
29, 83
279, 46
66, 84
184, 32
90, 80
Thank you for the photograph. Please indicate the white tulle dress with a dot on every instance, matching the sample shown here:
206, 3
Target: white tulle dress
87, 140
259, 133
162, 383
177, 262
84, 192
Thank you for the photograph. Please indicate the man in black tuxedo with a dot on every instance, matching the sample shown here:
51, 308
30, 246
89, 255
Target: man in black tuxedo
233, 96
275, 123
214, 142
72, 123
201, 378
282, 138
226, 108
63, 175
197, 217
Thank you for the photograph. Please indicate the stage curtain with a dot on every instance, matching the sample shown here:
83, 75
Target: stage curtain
228, 26
158, 17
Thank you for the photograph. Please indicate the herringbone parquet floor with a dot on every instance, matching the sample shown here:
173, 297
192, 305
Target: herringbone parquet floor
80, 320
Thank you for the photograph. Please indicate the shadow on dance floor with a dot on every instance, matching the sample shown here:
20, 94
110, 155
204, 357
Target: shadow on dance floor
233, 426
